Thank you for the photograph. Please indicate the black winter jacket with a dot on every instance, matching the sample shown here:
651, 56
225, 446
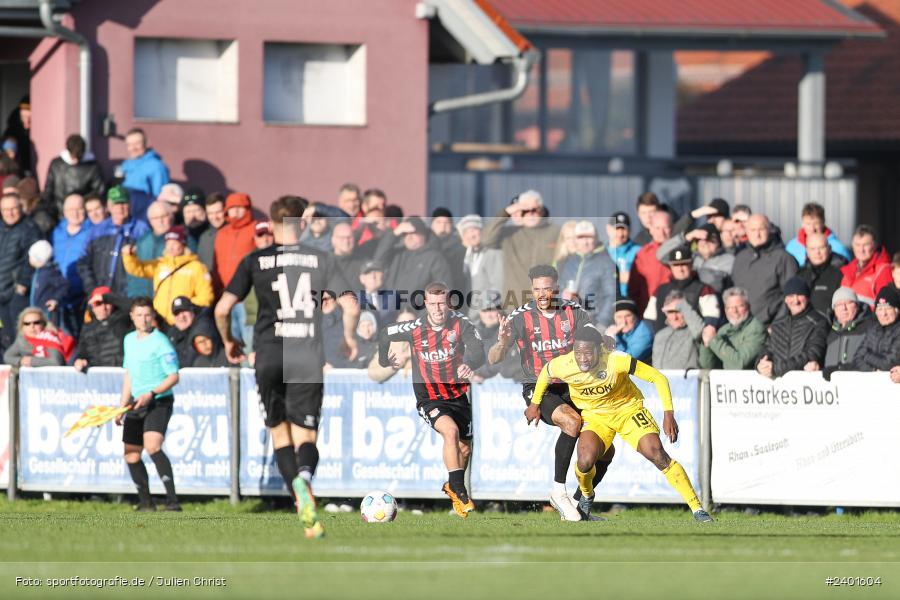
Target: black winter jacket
796, 340
102, 342
823, 280
843, 342
880, 349
15, 241
411, 270
64, 179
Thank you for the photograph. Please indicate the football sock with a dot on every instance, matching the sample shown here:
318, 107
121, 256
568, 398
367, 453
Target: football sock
457, 479
565, 446
307, 459
141, 481
164, 469
600, 468
586, 480
287, 465
678, 479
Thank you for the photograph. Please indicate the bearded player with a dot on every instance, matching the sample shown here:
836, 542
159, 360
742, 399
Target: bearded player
610, 403
446, 349
542, 330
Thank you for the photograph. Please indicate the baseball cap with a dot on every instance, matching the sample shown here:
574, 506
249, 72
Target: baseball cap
721, 207
620, 219
626, 304
176, 233
98, 293
117, 195
181, 304
469, 221
585, 228
369, 266
679, 256
711, 232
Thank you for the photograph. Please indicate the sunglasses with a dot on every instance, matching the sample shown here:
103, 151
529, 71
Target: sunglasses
98, 303
29, 323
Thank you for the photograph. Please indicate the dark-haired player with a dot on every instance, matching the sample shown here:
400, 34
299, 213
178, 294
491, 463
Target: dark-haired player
542, 330
446, 349
289, 279
610, 403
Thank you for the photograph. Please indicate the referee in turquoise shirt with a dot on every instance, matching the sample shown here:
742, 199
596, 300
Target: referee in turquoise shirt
151, 371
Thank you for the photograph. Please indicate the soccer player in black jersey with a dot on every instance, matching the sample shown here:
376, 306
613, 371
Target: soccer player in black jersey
543, 329
289, 279
446, 349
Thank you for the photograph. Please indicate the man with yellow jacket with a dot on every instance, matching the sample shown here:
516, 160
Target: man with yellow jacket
178, 272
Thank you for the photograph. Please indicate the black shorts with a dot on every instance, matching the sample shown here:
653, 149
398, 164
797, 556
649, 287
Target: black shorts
556, 395
155, 418
297, 403
458, 409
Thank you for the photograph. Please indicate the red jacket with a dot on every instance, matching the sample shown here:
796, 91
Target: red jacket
868, 280
234, 241
647, 274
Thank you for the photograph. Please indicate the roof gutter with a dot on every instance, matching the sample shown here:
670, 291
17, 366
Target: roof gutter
53, 28
521, 66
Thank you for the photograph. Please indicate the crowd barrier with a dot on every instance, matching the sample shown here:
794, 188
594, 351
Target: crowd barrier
743, 439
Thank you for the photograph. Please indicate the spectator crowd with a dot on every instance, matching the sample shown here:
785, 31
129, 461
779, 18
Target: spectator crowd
717, 287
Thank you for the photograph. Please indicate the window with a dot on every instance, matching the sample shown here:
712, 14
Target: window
314, 84
185, 80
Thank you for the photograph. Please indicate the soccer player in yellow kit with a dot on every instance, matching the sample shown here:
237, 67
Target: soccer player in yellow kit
610, 403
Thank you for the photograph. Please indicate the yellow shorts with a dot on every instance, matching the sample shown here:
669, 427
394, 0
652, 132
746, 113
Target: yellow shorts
631, 423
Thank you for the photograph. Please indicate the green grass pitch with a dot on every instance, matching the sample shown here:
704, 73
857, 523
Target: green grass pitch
638, 553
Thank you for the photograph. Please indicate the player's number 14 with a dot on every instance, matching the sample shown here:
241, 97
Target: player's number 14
302, 300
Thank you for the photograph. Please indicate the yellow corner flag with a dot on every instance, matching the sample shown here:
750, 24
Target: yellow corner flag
95, 416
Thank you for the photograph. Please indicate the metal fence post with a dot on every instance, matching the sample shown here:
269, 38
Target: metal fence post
705, 442
13, 465
234, 388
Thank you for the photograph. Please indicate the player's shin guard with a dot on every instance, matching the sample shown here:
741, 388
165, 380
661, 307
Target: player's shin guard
286, 460
678, 479
307, 459
565, 446
164, 469
600, 468
586, 480
141, 481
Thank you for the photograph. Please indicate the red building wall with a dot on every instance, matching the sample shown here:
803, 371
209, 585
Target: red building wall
389, 152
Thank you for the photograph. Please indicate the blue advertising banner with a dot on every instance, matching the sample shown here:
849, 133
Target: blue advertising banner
90, 460
513, 461
371, 437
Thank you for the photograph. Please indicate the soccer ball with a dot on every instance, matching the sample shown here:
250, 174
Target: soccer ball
378, 507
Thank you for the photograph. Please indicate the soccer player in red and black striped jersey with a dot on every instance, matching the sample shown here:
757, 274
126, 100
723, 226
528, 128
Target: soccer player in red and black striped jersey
543, 329
446, 349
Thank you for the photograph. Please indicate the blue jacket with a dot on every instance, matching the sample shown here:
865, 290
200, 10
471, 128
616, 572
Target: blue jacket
623, 256
638, 342
147, 173
48, 283
798, 250
595, 282
101, 263
149, 246
67, 249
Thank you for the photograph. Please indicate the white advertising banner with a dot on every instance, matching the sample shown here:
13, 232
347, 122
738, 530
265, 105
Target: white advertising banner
802, 440
4, 425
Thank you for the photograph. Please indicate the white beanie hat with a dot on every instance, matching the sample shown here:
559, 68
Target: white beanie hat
40, 252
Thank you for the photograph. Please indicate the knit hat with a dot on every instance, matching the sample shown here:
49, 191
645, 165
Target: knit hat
843, 294
626, 304
887, 295
177, 234
712, 234
366, 316
40, 252
796, 285
263, 228
440, 211
469, 221
194, 196
721, 207
418, 224
585, 228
